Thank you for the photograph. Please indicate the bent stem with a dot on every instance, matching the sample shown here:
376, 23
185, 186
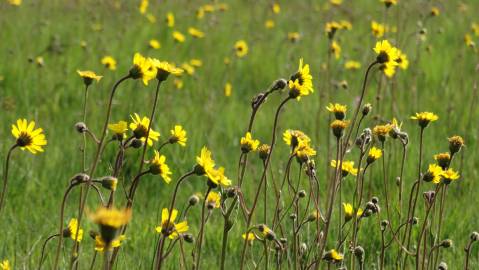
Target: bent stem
40, 262
5, 175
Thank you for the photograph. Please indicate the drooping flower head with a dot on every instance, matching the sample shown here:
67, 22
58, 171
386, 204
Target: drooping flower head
88, 76
110, 220
433, 174
294, 137
71, 231
213, 200
178, 135
119, 129
28, 137
374, 154
301, 83
158, 166
140, 129
248, 144
424, 118
168, 226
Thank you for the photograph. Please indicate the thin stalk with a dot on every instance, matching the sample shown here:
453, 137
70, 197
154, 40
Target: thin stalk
5, 175
40, 262
201, 233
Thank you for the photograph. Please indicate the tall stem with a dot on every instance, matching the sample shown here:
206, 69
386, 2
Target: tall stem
5, 175
201, 233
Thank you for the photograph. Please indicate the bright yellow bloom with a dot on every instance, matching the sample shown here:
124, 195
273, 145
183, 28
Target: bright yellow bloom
241, 48
111, 217
196, 62
449, 176
219, 177
338, 127
154, 44
142, 68
435, 11
333, 256
276, 8
294, 137
424, 118
143, 6
402, 60
71, 230
195, 32
100, 244
434, 174
386, 56
304, 152
170, 19
382, 131
335, 49
140, 129
109, 62
336, 2
5, 264
178, 135
158, 166
248, 144
339, 110
28, 137
347, 167
164, 69
119, 129
349, 211
205, 164
88, 76
251, 237
389, 3
269, 24
374, 154
301, 83
378, 29
352, 65
178, 37
168, 226
213, 200
293, 36
228, 89
190, 70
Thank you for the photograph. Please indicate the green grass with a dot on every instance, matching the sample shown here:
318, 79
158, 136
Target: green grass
441, 80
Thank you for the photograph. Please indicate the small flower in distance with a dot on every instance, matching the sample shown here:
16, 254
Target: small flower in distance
347, 167
346, 25
331, 27
449, 175
170, 19
402, 60
189, 69
443, 159
338, 126
435, 12
248, 144
241, 48
119, 129
209, 8
377, 29
263, 151
339, 110
276, 8
196, 62
158, 166
433, 174
151, 18
110, 220
455, 144
336, 2
389, 3
164, 69
28, 137
228, 89
168, 226
374, 154
213, 200
71, 231
178, 135
178, 83
266, 232
269, 24
143, 6
304, 152
333, 256
100, 244
109, 62
250, 237
140, 129
424, 118
301, 82
475, 28
294, 36
349, 211
335, 49
14, 3
154, 44
178, 37
352, 65
143, 68
88, 76
196, 33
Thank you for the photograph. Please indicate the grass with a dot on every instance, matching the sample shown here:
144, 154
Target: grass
441, 80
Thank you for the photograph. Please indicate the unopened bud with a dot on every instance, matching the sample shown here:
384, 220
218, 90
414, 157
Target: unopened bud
81, 127
193, 200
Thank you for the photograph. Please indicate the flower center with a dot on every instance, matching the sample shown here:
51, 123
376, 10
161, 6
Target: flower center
24, 139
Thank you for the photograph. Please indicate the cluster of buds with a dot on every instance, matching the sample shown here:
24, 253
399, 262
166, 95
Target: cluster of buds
372, 207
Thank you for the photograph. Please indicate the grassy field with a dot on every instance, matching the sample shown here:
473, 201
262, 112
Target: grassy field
44, 43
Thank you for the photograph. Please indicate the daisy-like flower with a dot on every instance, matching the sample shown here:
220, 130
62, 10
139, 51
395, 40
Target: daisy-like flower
304, 152
219, 178
154, 44
382, 131
241, 48
347, 167
170, 19
248, 144
140, 129
142, 68
266, 232
119, 129
100, 244
402, 60
109, 62
333, 256
449, 175
377, 29
205, 163
424, 118
349, 212
339, 110
110, 220
88, 76
389, 3
168, 226
301, 83
178, 135
433, 174
71, 231
443, 159
294, 137
331, 27
386, 56
28, 137
294, 36
213, 200
189, 69
352, 65
178, 37
374, 154
250, 237
338, 127
158, 166
5, 264
335, 49
164, 69
196, 33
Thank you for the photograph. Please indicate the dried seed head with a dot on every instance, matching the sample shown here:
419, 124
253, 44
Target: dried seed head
263, 151
446, 243
302, 193
455, 144
81, 177
188, 237
193, 200
474, 236
442, 266
375, 200
366, 109
81, 127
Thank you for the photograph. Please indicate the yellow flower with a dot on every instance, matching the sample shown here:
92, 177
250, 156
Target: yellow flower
14, 3
218, 177
382, 131
200, 13
154, 44
331, 27
119, 129
190, 70
293, 36
109, 62
178, 37
269, 24
352, 65
301, 83
266, 232
294, 137
335, 49
205, 164
228, 89
195, 32
250, 237
468, 40
449, 176
336, 2
346, 25
333, 256
151, 18
213, 200
110, 221
349, 211
475, 28
178, 135
100, 244
5, 264
276, 8
241, 48
434, 174
338, 127
71, 231
208, 8
374, 154
248, 144
424, 118
339, 110
435, 11
378, 29
88, 76
140, 129
142, 68
455, 143
386, 56
164, 69
28, 137
402, 60
158, 166
347, 167
389, 3
143, 6
443, 159
196, 62
170, 19
178, 83
168, 226
304, 152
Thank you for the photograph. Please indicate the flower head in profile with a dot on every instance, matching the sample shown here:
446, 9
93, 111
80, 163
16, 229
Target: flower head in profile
294, 137
178, 37
100, 244
204, 163
266, 232
349, 212
449, 175
382, 131
269, 24
352, 65
443, 159
28, 137
424, 118
433, 174
250, 238
119, 129
71, 231
158, 166
304, 152
377, 29
389, 3
347, 167
142, 68
110, 220
294, 36
338, 127
109, 62
386, 57
248, 144
219, 178
213, 200
331, 28
455, 144
338, 110
301, 82
178, 135
154, 44
333, 256
88, 76
140, 129
241, 48
164, 69
335, 49
196, 33
189, 69
374, 154
5, 264
170, 19
168, 226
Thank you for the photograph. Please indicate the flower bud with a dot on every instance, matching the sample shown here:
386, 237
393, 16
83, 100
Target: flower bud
442, 266
455, 144
366, 109
81, 127
193, 200
302, 193
231, 192
279, 84
474, 236
375, 200
136, 143
81, 177
109, 182
188, 237
384, 224
446, 243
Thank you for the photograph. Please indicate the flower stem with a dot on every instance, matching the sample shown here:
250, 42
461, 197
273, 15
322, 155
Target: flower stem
5, 175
